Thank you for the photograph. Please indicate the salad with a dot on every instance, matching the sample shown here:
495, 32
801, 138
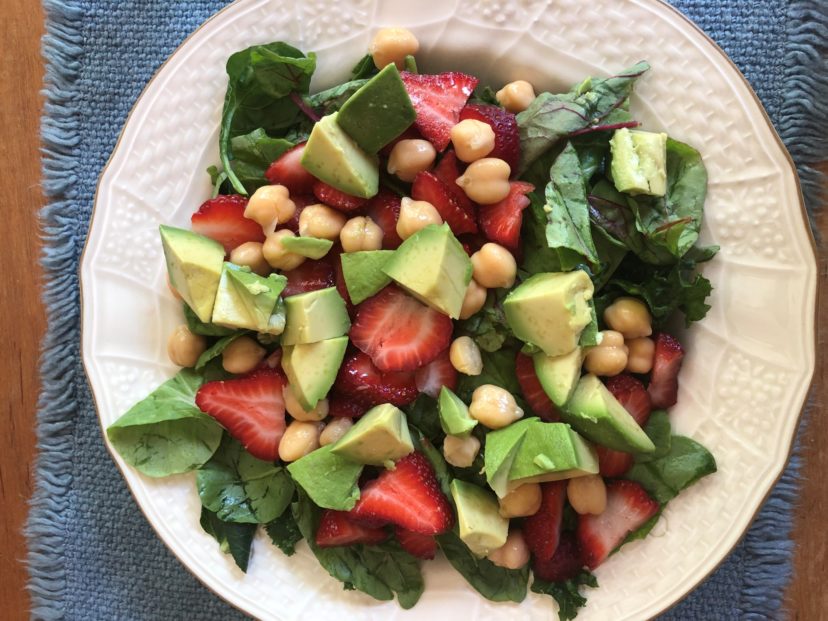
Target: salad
423, 316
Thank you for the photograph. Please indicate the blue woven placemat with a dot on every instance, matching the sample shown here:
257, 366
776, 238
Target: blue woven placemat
92, 553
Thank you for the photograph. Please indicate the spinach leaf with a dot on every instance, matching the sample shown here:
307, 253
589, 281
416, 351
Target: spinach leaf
330, 480
567, 594
166, 433
218, 179
423, 414
685, 463
593, 151
253, 153
233, 539
659, 431
488, 327
216, 349
332, 99
365, 68
241, 488
484, 94
589, 336
284, 533
495, 583
196, 326
498, 369
537, 255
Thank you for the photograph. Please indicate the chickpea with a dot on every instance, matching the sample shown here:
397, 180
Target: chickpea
513, 554
486, 181
415, 216
184, 347
494, 406
242, 355
472, 140
408, 157
523, 501
300, 438
474, 300
494, 266
277, 256
334, 430
587, 494
250, 254
270, 205
630, 317
295, 409
321, 221
392, 45
516, 96
360, 233
464, 355
460, 451
641, 352
609, 357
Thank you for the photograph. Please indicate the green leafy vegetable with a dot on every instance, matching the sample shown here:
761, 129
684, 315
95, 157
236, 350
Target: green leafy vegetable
252, 155
233, 539
498, 369
329, 479
217, 178
659, 431
642, 531
216, 349
365, 68
435, 457
196, 326
284, 533
538, 256
685, 463
423, 415
567, 594
488, 327
589, 336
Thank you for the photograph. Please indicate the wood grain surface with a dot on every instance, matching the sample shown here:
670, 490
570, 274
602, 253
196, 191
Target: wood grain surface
22, 321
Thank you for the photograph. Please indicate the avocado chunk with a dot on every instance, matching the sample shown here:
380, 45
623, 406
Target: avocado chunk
433, 267
598, 416
454, 414
363, 273
481, 527
334, 157
311, 368
315, 316
329, 479
551, 452
310, 247
379, 438
378, 112
550, 310
502, 448
639, 162
249, 301
194, 264
559, 375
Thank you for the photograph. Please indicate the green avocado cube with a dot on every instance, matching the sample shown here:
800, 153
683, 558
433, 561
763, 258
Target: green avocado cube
315, 316
433, 267
363, 273
551, 452
559, 375
248, 301
639, 162
454, 414
502, 447
479, 522
311, 368
329, 479
380, 437
310, 247
378, 112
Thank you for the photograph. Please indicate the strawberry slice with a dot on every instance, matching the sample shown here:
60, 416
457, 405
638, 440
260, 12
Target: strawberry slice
364, 384
222, 219
628, 508
337, 199
436, 374
564, 564
667, 360
409, 134
438, 100
289, 172
501, 221
310, 276
447, 171
250, 408
301, 201
613, 464
427, 187
542, 530
384, 209
340, 406
336, 528
532, 390
504, 125
421, 546
630, 393
398, 332
408, 496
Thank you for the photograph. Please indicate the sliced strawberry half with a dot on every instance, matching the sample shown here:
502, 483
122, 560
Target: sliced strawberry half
398, 332
542, 530
667, 360
337, 199
504, 125
501, 221
438, 100
408, 496
416, 544
436, 374
310, 276
365, 385
289, 172
565, 564
301, 201
630, 393
337, 528
384, 209
613, 464
222, 219
427, 187
532, 390
628, 508
251, 409
447, 171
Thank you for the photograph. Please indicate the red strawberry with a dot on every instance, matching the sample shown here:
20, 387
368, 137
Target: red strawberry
340, 406
310, 276
630, 393
301, 201
222, 219
501, 221
504, 125
628, 508
667, 359
428, 187
364, 384
421, 546
336, 528
398, 332
384, 209
542, 531
408, 496
613, 464
289, 172
438, 100
337, 199
532, 390
447, 171
564, 564
250, 408
409, 134
436, 374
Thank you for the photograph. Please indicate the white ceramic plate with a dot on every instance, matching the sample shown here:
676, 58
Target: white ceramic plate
749, 363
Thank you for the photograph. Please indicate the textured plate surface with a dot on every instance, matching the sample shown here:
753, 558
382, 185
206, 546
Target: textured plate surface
749, 363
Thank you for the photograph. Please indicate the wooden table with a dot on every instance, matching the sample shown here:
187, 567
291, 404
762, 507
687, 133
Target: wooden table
23, 323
